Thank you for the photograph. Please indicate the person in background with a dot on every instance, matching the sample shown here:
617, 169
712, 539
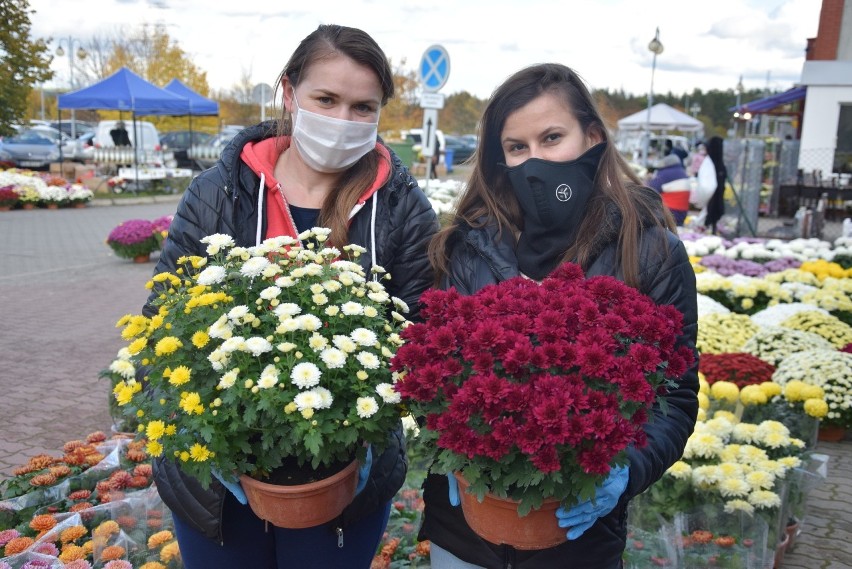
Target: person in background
540, 130
672, 183
119, 135
696, 158
320, 164
716, 205
670, 148
436, 159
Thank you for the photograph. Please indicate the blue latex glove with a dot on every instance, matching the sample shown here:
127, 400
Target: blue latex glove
583, 516
234, 487
364, 471
455, 500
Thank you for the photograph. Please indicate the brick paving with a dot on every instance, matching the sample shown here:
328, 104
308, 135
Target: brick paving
61, 292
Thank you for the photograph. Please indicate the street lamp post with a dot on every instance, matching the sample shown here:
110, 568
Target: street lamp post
694, 109
655, 47
80, 54
737, 113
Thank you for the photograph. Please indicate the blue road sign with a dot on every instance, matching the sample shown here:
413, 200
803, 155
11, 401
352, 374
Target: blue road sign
434, 68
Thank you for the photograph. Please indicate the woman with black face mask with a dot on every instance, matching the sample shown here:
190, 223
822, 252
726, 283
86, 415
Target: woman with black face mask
548, 187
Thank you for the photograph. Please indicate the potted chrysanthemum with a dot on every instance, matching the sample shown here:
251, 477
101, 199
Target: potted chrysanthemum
9, 198
134, 239
532, 392
265, 363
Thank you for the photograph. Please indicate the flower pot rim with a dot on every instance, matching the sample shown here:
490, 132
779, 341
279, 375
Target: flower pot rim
299, 488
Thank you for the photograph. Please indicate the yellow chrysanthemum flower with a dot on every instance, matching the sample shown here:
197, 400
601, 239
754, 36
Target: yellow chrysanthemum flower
753, 395
155, 430
167, 345
816, 408
180, 375
154, 448
770, 388
191, 403
199, 452
725, 391
200, 339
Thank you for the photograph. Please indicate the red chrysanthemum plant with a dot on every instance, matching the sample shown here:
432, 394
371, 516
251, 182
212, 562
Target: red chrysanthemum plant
738, 368
535, 390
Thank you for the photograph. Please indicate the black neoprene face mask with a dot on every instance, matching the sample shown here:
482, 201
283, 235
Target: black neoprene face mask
552, 197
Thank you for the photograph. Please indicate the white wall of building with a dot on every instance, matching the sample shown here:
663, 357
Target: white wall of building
829, 85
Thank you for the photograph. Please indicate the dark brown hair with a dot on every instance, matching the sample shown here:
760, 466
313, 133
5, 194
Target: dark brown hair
327, 41
488, 197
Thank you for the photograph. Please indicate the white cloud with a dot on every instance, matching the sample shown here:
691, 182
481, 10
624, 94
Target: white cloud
605, 41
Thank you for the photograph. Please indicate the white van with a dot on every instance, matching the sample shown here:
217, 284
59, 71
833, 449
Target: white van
145, 132
415, 135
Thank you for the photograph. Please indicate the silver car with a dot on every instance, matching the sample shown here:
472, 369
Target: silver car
28, 149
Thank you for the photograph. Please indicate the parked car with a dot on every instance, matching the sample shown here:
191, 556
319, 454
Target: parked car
206, 155
84, 147
58, 137
178, 141
28, 149
415, 135
80, 127
462, 148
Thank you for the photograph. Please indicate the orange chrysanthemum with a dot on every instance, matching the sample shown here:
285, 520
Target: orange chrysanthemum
155, 513
390, 547
126, 522
79, 495
159, 539
46, 479
701, 536
137, 445
74, 458
380, 561
93, 459
71, 552
725, 541
42, 522
135, 455
111, 496
96, 437
103, 486
119, 479
106, 529
80, 507
72, 534
139, 482
71, 445
143, 470
89, 547
423, 548
112, 552
155, 523
170, 551
60, 470
17, 545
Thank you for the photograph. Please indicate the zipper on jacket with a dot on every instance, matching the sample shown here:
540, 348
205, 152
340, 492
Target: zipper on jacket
339, 531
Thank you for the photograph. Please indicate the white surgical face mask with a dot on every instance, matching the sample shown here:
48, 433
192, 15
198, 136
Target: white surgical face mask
327, 144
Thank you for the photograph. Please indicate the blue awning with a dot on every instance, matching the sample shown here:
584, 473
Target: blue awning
773, 101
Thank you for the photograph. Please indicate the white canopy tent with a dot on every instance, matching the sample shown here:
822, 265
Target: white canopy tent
663, 118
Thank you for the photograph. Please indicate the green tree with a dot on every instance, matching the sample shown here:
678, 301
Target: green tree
25, 62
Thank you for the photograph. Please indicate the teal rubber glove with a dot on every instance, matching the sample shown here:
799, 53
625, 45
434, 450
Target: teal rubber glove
584, 515
455, 500
364, 471
234, 487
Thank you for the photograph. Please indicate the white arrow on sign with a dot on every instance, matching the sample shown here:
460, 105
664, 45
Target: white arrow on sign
430, 126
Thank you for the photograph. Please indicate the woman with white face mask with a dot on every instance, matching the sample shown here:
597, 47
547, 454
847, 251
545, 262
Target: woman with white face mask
321, 164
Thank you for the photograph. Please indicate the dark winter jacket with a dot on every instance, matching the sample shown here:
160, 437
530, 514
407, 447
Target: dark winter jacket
480, 258
224, 199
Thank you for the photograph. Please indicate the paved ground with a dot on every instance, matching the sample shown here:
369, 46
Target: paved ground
61, 292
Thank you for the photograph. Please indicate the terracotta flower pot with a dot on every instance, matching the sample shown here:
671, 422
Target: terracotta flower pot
781, 549
53, 206
5, 207
831, 433
497, 520
28, 205
142, 258
792, 530
79, 205
303, 505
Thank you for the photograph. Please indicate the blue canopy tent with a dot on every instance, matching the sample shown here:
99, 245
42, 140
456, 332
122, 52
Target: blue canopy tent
124, 90
199, 105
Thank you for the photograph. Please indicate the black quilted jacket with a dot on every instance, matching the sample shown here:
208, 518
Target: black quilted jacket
481, 258
223, 199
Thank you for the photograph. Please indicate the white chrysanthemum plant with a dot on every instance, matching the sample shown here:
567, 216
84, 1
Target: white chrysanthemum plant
263, 357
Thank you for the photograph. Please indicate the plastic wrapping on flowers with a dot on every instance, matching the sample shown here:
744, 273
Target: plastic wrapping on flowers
93, 507
533, 390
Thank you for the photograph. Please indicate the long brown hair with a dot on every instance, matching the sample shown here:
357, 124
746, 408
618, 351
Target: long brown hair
330, 40
488, 197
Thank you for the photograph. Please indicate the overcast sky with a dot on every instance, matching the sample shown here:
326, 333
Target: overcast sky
707, 45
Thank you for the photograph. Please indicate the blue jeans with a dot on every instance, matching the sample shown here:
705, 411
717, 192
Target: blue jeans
248, 542
440, 558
